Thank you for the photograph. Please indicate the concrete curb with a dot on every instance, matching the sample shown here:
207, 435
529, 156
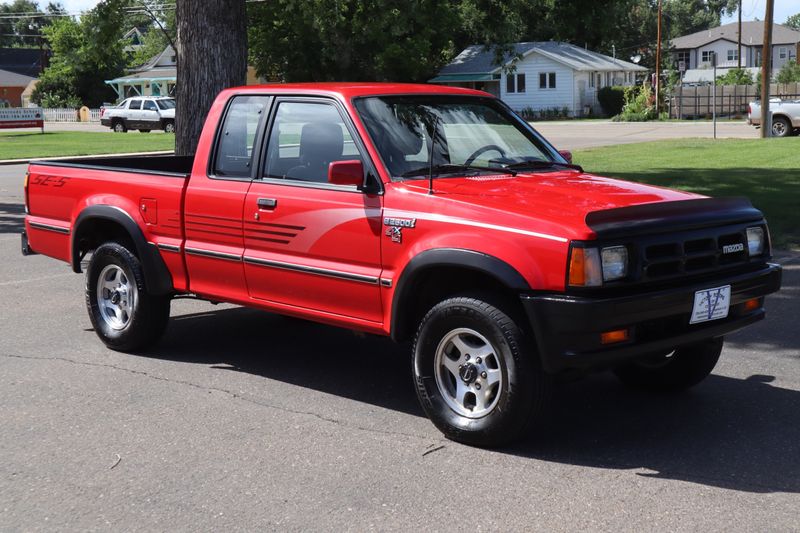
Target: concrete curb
66, 158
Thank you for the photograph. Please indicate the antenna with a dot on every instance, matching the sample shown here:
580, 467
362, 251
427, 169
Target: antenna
430, 154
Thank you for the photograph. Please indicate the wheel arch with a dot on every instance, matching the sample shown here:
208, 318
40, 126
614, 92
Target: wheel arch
436, 274
98, 223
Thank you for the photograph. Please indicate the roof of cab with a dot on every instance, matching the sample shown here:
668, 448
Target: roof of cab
354, 89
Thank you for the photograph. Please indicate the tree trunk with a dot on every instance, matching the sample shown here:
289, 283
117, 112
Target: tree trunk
212, 56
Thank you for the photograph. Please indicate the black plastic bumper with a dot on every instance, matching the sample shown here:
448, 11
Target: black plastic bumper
568, 328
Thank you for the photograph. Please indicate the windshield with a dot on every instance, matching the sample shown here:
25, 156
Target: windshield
471, 134
166, 103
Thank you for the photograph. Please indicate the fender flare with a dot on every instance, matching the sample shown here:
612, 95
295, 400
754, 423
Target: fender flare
158, 279
451, 257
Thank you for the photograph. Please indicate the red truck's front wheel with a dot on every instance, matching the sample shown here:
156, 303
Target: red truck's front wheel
477, 375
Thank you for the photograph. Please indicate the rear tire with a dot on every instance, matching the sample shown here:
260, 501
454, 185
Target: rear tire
125, 316
119, 126
478, 376
684, 368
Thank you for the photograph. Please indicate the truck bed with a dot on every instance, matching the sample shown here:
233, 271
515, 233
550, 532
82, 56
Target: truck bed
164, 165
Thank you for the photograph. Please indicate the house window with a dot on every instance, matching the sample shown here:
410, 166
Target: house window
733, 55
547, 80
682, 56
591, 80
782, 52
520, 83
707, 56
600, 80
510, 87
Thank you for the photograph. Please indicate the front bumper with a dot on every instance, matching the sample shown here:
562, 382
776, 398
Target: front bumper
568, 328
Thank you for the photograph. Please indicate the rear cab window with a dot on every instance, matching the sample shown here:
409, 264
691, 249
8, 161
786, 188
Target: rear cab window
234, 152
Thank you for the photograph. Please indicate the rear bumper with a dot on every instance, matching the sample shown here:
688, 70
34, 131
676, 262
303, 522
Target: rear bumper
568, 327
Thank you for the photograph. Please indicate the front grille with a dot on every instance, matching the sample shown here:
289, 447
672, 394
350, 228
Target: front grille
692, 253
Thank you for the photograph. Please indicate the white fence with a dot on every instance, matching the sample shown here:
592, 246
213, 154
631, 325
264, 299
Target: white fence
68, 115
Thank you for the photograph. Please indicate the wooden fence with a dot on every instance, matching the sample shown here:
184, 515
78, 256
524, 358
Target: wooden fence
732, 100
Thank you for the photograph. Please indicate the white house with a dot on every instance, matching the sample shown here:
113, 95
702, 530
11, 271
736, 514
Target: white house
540, 75
696, 50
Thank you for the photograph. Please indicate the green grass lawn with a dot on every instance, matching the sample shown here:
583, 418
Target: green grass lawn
767, 171
24, 145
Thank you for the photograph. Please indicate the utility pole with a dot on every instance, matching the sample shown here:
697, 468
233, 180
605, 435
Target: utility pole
739, 54
658, 62
766, 71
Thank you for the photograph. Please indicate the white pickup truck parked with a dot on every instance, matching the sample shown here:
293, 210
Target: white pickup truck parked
785, 116
143, 113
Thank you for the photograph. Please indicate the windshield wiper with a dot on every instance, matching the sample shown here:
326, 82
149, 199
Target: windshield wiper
538, 163
450, 168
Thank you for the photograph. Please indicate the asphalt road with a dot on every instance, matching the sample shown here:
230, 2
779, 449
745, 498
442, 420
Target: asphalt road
242, 420
573, 135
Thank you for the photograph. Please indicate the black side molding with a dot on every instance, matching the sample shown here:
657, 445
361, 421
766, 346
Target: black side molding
158, 280
680, 215
449, 257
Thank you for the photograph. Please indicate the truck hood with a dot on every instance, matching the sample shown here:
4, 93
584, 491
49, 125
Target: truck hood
560, 199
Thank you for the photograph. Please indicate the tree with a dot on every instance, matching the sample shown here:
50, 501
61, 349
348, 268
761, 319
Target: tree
793, 22
789, 73
21, 22
212, 56
84, 54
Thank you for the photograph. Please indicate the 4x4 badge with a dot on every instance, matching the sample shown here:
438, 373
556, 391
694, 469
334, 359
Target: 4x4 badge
396, 225
396, 233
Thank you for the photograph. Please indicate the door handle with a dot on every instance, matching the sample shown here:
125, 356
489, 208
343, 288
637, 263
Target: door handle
267, 203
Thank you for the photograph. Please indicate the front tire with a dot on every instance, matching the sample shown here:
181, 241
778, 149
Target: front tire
674, 372
478, 377
169, 126
125, 316
781, 127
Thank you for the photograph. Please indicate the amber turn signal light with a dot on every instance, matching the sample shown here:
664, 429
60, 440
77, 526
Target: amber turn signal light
752, 304
616, 335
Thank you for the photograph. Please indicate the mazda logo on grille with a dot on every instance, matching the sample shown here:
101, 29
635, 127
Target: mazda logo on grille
732, 248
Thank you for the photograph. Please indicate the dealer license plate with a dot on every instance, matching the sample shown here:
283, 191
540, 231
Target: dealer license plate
711, 304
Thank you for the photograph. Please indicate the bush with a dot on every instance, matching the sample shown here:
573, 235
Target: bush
789, 73
639, 105
548, 113
736, 76
611, 99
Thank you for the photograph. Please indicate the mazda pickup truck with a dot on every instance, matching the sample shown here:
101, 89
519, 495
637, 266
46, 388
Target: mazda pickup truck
432, 215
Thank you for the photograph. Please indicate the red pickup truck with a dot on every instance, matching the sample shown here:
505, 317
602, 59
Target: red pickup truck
424, 213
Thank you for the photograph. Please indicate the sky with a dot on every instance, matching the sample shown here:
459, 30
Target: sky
751, 9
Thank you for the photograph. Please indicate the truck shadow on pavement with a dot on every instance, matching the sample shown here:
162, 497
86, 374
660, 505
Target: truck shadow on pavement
739, 434
12, 218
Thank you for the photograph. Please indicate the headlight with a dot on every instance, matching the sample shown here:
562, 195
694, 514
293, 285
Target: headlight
755, 241
589, 267
615, 263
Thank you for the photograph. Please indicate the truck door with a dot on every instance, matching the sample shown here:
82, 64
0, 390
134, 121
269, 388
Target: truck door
215, 198
310, 244
149, 117
133, 114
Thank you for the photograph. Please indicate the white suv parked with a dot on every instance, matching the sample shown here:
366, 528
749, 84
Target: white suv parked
143, 113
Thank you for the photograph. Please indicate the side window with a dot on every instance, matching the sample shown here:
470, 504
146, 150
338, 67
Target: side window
149, 105
236, 138
305, 138
135, 104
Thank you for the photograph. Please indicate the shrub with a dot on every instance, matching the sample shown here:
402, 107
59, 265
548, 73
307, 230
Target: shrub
639, 105
789, 73
611, 99
736, 76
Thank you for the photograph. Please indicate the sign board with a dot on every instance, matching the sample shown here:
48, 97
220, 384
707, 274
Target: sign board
21, 117
682, 66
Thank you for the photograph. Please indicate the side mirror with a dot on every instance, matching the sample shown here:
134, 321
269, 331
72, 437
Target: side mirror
349, 172
566, 154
